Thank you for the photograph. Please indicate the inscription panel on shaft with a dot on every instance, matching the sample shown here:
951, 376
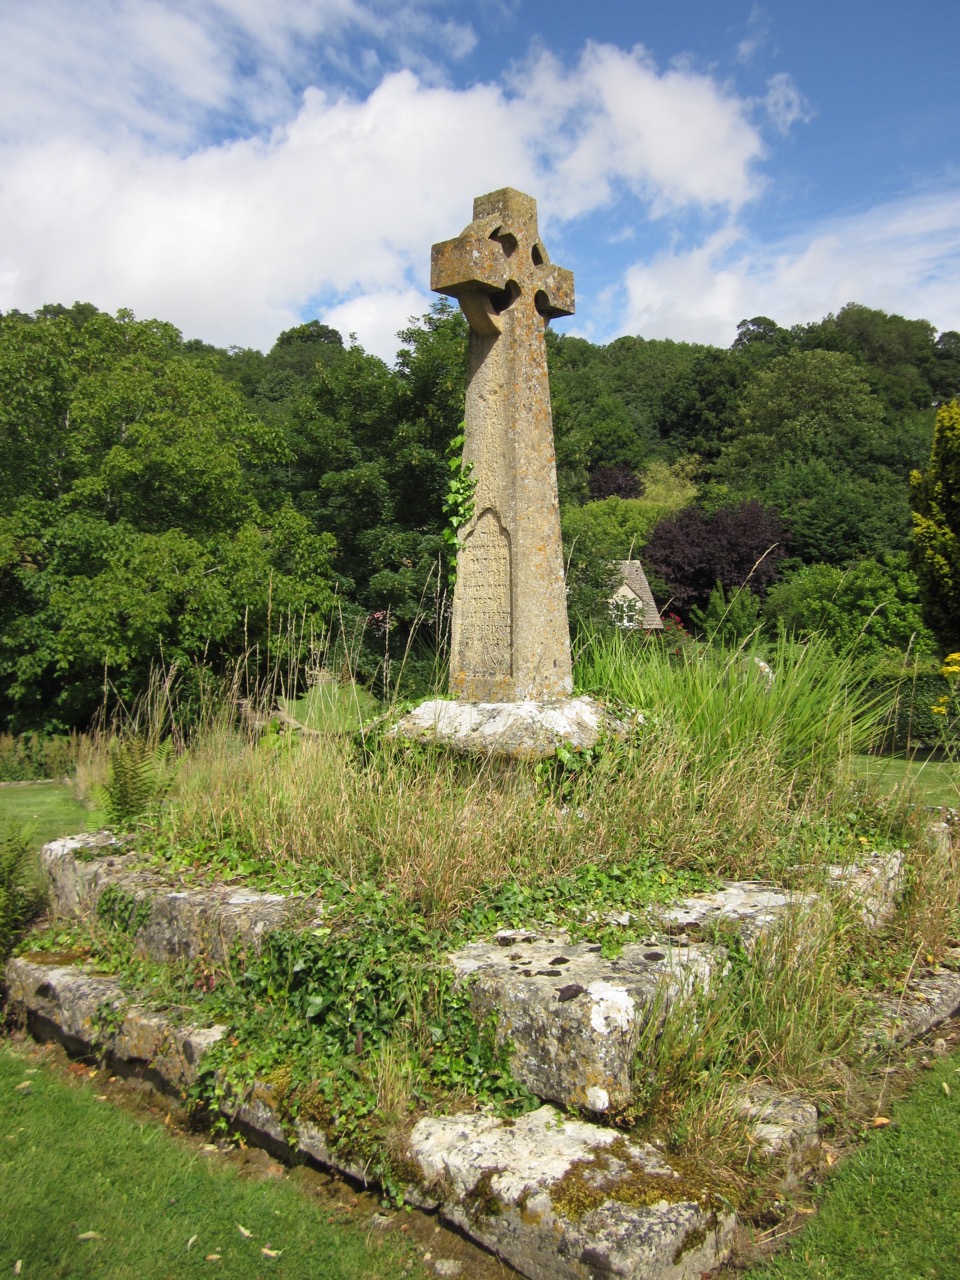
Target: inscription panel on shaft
483, 575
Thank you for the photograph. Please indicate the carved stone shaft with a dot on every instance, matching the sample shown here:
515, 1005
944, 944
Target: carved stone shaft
511, 638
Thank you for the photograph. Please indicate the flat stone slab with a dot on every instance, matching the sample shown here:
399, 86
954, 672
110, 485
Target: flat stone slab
748, 907
180, 923
926, 1001
91, 1012
522, 730
563, 1199
573, 1017
870, 884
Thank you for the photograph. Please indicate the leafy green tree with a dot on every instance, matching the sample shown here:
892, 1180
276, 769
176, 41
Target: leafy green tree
898, 356
814, 441
806, 404
936, 528
131, 528
761, 337
700, 409
836, 514
873, 606
946, 377
608, 400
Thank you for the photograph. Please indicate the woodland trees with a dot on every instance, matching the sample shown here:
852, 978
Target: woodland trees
130, 525
166, 497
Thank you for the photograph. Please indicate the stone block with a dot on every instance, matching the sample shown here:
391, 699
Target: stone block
562, 1199
573, 1017
927, 999
182, 923
91, 1013
747, 907
525, 730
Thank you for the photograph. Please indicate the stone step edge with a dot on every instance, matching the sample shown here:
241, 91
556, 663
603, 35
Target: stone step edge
182, 923
476, 1170
507, 1184
207, 919
573, 1031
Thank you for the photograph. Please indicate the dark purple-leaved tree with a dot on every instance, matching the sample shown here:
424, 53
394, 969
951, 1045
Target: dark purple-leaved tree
614, 482
735, 545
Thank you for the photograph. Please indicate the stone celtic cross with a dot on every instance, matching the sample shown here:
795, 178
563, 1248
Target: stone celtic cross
510, 640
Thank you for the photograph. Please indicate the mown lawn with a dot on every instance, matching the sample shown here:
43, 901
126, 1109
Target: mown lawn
88, 1190
931, 782
332, 708
892, 1210
45, 810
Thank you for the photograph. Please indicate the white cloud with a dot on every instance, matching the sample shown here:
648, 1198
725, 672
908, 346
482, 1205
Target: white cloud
341, 201
378, 316
757, 35
907, 251
785, 104
613, 121
172, 70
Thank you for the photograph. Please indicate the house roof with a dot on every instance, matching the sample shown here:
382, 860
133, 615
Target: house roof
634, 583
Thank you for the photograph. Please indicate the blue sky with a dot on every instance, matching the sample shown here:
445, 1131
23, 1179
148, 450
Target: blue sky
235, 166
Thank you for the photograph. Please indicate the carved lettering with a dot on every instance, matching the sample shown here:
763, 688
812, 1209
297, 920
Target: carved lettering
483, 575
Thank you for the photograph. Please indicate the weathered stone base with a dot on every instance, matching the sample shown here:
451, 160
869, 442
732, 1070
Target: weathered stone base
520, 730
928, 999
561, 1199
558, 1199
178, 924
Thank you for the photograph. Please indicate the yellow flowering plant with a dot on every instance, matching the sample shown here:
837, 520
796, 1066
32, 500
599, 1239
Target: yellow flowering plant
950, 671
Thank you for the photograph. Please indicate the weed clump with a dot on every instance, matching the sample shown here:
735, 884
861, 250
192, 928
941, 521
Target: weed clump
20, 895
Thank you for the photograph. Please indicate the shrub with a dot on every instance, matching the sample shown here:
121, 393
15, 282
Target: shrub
936, 526
730, 617
910, 688
694, 551
32, 757
874, 606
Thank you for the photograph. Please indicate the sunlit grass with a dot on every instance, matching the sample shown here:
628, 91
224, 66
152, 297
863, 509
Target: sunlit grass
44, 811
891, 1210
719, 772
89, 1191
929, 782
332, 707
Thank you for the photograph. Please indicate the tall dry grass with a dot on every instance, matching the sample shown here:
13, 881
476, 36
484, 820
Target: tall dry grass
720, 771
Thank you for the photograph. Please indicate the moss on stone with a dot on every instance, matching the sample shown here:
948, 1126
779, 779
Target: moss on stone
481, 1201
614, 1173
